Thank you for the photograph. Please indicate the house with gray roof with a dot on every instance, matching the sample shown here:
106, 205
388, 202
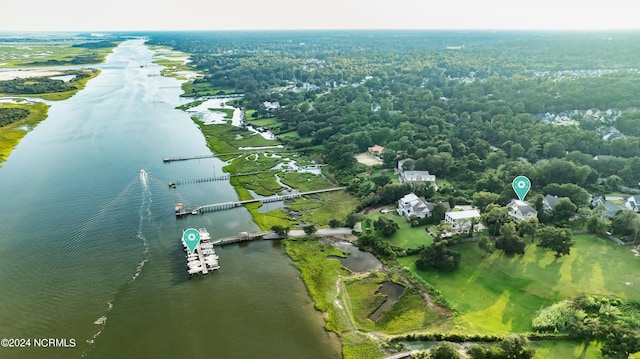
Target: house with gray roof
414, 206
549, 202
520, 211
610, 209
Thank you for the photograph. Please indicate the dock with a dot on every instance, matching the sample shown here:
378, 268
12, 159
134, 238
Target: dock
244, 236
183, 211
187, 158
204, 258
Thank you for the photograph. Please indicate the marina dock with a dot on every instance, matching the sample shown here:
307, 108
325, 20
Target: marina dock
204, 258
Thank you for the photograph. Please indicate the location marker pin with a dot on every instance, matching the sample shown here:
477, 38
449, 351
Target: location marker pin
191, 238
521, 186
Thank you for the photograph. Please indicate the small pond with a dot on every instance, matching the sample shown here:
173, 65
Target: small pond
357, 260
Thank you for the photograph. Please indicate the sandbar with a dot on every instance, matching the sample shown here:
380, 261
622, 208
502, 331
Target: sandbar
23, 74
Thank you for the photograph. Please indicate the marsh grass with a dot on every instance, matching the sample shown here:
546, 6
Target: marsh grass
12, 133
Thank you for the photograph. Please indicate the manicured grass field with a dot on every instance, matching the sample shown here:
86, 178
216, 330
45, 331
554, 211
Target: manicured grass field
407, 236
500, 294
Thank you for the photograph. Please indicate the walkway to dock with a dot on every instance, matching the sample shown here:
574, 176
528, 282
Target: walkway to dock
229, 205
244, 236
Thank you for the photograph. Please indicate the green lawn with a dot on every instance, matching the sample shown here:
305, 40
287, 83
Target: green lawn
500, 294
407, 236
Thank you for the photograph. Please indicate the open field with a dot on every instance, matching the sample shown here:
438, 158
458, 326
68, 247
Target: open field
500, 294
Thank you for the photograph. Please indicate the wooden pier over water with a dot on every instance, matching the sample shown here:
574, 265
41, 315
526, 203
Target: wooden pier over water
229, 205
187, 158
223, 177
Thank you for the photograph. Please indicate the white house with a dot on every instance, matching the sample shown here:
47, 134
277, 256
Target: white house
461, 220
633, 203
412, 205
520, 210
418, 177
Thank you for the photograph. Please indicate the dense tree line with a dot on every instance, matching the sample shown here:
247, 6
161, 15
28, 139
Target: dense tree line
10, 114
34, 86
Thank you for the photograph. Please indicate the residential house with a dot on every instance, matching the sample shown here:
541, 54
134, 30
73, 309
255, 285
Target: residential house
461, 220
633, 203
549, 202
418, 177
610, 209
271, 106
377, 151
412, 205
520, 210
411, 176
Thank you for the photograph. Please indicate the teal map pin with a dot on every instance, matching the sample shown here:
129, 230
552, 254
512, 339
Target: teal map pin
521, 186
191, 238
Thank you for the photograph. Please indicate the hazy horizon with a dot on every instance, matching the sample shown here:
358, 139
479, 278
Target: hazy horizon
145, 15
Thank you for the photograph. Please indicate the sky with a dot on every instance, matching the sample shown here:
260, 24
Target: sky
135, 15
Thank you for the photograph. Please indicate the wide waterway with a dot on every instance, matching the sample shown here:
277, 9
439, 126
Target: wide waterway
90, 251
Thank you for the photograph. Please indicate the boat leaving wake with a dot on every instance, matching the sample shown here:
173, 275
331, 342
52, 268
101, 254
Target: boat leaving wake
144, 213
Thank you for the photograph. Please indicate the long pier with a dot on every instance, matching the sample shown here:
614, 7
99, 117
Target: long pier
224, 177
229, 205
187, 158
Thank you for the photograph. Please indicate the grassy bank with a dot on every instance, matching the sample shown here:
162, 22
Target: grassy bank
12, 133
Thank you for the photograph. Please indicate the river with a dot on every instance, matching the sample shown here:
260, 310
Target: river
90, 251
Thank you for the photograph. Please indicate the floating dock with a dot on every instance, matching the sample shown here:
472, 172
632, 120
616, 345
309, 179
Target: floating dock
204, 258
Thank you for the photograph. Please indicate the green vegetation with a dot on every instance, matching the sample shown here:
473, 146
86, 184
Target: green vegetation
503, 105
46, 88
198, 88
228, 112
11, 133
225, 139
53, 53
501, 294
320, 275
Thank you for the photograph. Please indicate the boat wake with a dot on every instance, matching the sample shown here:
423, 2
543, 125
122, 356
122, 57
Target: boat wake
144, 214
